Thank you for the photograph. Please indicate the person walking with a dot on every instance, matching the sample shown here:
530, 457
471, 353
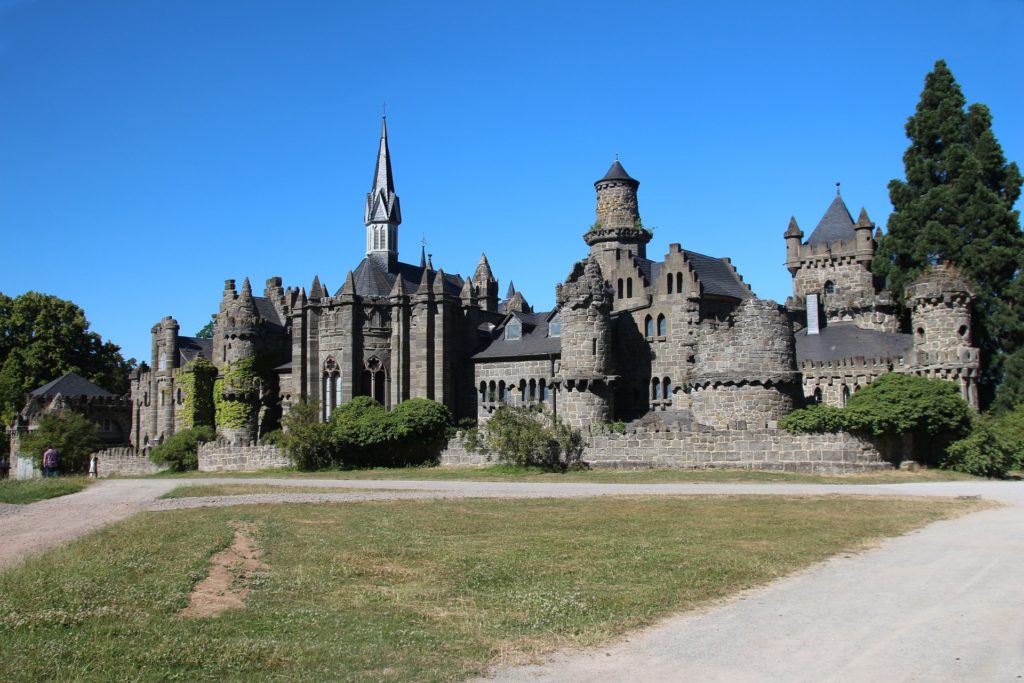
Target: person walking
94, 466
50, 456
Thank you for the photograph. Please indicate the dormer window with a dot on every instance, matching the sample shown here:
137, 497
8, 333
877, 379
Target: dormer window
514, 330
555, 328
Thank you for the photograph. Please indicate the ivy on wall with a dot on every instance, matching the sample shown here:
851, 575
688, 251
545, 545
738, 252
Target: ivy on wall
197, 387
240, 378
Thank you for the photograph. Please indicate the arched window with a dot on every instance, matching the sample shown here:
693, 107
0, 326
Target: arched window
679, 283
502, 392
648, 327
543, 390
830, 287
662, 326
655, 389
620, 288
668, 283
483, 392
920, 333
666, 388
180, 401
492, 395
962, 332
629, 288
533, 390
522, 390
845, 394
817, 395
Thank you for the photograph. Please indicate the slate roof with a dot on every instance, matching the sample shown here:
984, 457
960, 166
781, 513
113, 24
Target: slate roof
71, 384
265, 307
717, 276
371, 279
190, 347
534, 342
846, 340
616, 172
835, 226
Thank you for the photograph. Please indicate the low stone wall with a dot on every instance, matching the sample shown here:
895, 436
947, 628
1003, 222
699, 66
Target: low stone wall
221, 457
757, 449
125, 462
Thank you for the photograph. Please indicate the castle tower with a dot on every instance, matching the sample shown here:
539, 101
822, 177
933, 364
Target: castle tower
585, 311
383, 213
865, 243
794, 236
940, 306
165, 344
618, 223
486, 285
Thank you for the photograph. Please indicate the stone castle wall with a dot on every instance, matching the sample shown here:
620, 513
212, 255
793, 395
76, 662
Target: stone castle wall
739, 406
220, 457
755, 449
126, 462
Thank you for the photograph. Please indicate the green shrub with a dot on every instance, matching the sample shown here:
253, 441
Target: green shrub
814, 418
307, 441
423, 426
181, 451
982, 453
1010, 428
70, 433
523, 436
931, 411
362, 429
273, 438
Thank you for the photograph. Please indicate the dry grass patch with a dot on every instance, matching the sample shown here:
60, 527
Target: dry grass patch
411, 590
231, 570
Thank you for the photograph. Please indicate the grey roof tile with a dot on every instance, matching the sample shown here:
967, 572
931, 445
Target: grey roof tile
835, 226
190, 347
534, 342
70, 384
371, 278
846, 340
617, 172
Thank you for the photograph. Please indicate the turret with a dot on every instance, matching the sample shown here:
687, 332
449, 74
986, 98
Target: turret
794, 235
486, 285
618, 224
585, 311
940, 306
865, 243
383, 213
237, 324
165, 344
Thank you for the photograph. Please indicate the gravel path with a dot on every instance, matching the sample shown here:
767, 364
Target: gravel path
942, 603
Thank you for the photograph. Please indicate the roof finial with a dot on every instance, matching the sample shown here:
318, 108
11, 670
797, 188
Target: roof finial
384, 107
616, 156
837, 189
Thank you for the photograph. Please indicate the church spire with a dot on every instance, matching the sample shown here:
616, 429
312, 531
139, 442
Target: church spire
383, 213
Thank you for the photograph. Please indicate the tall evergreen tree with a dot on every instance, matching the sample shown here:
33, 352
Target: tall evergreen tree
956, 205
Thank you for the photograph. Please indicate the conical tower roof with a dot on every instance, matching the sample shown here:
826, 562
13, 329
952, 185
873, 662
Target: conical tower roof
835, 226
617, 172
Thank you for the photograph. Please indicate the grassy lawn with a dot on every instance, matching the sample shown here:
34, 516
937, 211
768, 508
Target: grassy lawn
197, 490
599, 476
410, 590
21, 491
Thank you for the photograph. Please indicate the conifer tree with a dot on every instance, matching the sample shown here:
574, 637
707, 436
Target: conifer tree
956, 206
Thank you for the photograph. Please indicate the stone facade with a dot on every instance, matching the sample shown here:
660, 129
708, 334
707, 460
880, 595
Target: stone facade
223, 457
848, 328
755, 449
125, 462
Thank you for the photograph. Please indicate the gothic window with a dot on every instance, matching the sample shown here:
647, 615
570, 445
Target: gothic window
648, 327
629, 288
330, 389
662, 326
375, 380
514, 330
679, 283
668, 283
620, 288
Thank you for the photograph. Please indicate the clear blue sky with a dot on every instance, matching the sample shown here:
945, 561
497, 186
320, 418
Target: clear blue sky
151, 149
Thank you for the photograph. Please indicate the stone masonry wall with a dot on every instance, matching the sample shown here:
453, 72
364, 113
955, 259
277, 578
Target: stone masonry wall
759, 449
126, 462
220, 457
739, 406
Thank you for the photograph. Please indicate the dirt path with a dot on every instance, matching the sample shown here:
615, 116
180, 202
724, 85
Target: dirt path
942, 603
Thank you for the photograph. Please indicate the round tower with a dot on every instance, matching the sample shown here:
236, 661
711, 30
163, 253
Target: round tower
745, 374
585, 312
165, 344
940, 308
237, 325
618, 223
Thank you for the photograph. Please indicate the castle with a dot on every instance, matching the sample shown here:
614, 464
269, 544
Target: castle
682, 340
